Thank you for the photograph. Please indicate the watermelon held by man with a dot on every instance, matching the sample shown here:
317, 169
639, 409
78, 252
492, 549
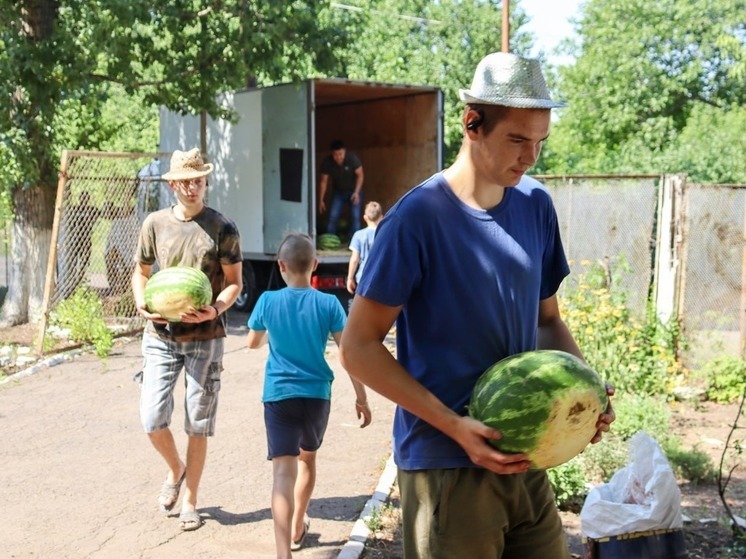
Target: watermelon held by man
170, 292
545, 403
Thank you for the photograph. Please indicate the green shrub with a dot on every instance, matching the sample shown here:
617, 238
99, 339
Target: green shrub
694, 465
568, 482
380, 517
602, 460
726, 378
82, 314
633, 413
638, 412
635, 356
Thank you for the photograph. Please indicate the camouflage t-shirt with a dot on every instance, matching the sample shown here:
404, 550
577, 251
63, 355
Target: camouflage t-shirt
206, 241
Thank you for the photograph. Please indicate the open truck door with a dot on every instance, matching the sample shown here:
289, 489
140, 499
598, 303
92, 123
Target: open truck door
286, 145
266, 160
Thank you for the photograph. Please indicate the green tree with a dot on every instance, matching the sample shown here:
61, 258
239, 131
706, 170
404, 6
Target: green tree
711, 147
643, 69
422, 42
63, 61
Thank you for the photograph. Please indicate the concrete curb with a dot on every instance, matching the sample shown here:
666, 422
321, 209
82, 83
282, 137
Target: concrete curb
36, 367
360, 533
56, 360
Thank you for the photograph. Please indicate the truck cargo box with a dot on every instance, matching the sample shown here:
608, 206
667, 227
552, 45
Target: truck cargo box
267, 161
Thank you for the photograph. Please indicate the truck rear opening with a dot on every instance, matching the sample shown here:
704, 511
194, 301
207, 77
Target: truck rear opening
267, 161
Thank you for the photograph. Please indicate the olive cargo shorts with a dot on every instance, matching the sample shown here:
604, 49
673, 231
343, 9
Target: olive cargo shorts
471, 513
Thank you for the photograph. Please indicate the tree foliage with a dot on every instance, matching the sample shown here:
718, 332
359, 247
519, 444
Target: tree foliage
179, 53
657, 86
422, 42
89, 74
645, 74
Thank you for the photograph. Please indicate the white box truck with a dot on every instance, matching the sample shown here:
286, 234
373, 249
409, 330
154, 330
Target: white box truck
266, 163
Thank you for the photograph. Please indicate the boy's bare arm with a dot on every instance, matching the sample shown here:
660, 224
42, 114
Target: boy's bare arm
256, 338
351, 270
362, 408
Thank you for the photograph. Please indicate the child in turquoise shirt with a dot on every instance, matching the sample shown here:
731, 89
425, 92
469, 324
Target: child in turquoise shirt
297, 321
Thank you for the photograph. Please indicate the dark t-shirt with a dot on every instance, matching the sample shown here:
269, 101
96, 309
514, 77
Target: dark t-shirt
205, 242
343, 176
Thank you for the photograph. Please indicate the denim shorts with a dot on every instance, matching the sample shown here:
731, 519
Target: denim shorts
294, 424
163, 361
471, 512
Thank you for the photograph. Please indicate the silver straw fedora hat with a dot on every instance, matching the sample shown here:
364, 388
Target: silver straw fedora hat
511, 81
187, 165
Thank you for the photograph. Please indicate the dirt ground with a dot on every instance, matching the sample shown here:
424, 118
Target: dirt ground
80, 480
707, 536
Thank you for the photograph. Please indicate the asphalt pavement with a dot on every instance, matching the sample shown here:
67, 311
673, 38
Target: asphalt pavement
79, 478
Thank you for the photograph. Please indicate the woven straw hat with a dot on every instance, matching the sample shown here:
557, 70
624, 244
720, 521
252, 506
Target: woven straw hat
187, 165
511, 81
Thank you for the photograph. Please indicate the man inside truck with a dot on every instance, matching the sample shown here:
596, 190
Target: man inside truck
346, 173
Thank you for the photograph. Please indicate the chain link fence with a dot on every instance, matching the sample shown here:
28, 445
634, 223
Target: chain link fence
102, 199
712, 291
609, 223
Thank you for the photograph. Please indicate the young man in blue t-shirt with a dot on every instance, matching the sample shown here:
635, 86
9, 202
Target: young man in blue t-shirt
297, 321
468, 264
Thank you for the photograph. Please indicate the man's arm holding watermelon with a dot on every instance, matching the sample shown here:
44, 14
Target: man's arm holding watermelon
225, 299
554, 334
364, 356
140, 277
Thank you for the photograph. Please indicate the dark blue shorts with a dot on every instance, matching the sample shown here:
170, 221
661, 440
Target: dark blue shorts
294, 424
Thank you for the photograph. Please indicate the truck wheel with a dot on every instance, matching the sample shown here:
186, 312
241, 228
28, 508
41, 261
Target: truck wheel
246, 300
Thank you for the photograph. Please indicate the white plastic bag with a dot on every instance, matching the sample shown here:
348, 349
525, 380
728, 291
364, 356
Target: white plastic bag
641, 496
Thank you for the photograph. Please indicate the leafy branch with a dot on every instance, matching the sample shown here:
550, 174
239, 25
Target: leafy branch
724, 478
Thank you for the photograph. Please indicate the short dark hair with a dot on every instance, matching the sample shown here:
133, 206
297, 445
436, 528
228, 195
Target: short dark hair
491, 115
336, 145
298, 252
373, 211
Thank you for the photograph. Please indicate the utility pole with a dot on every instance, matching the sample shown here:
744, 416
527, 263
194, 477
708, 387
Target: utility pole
506, 26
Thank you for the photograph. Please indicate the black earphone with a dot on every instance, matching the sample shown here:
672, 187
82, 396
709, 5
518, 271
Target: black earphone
477, 122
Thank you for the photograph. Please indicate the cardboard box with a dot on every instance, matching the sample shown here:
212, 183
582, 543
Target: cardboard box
651, 544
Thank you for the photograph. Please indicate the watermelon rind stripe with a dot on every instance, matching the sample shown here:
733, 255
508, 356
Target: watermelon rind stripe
171, 291
545, 403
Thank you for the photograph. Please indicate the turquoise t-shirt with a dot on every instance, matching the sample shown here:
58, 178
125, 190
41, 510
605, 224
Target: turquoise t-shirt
298, 322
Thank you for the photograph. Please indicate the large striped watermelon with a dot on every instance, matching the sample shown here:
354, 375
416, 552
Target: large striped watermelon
171, 291
545, 403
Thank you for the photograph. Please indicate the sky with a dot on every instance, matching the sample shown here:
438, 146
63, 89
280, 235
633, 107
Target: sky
550, 23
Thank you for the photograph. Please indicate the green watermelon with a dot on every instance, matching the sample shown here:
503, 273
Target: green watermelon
328, 241
171, 291
545, 403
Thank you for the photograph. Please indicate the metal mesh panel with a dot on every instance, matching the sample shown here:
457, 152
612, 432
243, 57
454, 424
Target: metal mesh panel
609, 222
712, 285
102, 201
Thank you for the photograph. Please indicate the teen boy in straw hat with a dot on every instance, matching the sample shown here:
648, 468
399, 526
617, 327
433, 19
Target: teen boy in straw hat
186, 234
461, 498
